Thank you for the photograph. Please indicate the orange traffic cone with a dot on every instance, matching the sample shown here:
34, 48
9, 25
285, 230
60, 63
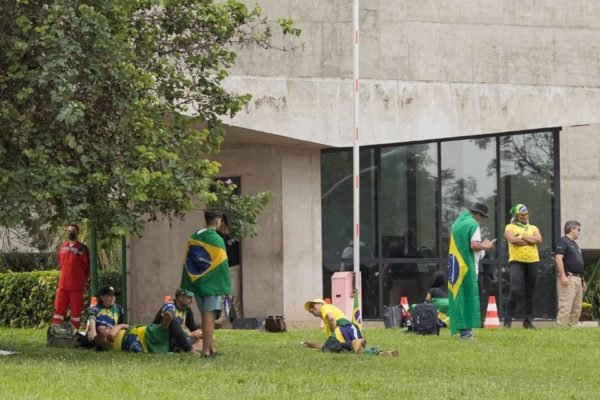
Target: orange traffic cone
491, 318
404, 306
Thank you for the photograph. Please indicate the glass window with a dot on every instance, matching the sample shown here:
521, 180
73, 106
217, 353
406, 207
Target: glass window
526, 177
411, 195
336, 203
468, 176
408, 219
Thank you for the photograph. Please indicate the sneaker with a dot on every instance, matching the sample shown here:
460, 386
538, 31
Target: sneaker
527, 324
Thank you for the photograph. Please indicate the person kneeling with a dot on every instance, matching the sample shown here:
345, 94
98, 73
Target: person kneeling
342, 334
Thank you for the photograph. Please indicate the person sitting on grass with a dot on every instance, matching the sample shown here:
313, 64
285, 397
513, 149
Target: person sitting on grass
184, 317
107, 312
342, 334
438, 296
151, 338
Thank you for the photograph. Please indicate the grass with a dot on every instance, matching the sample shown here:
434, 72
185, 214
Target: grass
499, 364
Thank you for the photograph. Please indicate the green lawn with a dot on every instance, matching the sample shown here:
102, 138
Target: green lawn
547, 363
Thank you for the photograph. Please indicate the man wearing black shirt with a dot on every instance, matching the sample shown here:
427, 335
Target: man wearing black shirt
569, 275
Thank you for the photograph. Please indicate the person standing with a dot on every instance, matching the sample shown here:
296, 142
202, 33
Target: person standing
463, 256
232, 247
523, 259
569, 275
74, 264
206, 274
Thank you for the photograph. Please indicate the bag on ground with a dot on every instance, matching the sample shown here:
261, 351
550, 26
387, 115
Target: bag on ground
275, 323
62, 335
392, 316
424, 320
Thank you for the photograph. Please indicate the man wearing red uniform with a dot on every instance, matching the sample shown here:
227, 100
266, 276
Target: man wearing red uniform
74, 262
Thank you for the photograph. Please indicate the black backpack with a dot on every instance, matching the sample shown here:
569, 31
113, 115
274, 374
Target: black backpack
424, 320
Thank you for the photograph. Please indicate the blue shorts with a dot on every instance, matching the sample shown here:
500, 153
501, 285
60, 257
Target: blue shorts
209, 303
349, 332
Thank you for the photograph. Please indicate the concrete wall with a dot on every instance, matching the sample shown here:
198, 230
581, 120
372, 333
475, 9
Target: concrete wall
429, 69
580, 181
302, 255
280, 267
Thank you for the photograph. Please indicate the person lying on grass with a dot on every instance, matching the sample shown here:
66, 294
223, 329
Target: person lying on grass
151, 338
342, 334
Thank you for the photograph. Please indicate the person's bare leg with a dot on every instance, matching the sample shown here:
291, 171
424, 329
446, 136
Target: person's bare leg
357, 346
208, 329
313, 345
391, 353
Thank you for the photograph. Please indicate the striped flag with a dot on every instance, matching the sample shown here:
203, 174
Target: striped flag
356, 317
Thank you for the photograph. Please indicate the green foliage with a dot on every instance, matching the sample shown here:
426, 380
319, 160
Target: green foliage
27, 298
587, 312
592, 294
92, 103
498, 364
242, 211
23, 262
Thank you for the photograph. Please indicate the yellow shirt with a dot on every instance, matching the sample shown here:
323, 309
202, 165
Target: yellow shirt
337, 314
526, 254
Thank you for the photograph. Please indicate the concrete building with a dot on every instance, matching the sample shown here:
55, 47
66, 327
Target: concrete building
461, 101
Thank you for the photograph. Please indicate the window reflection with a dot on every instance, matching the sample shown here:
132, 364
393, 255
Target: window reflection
403, 214
468, 176
526, 176
408, 218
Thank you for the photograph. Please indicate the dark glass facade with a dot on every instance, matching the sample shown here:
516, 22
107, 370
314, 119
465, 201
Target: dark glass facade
410, 196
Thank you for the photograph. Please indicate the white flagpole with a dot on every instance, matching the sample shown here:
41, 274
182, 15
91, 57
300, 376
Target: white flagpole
355, 151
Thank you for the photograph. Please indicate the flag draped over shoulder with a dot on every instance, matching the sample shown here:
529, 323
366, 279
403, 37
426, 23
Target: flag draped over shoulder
205, 269
463, 293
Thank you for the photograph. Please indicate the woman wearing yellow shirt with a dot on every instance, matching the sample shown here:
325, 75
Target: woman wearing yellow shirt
523, 259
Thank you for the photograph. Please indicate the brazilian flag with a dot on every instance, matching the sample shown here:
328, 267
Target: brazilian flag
205, 269
463, 293
356, 317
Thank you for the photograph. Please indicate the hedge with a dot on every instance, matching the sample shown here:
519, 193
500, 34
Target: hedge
23, 262
27, 298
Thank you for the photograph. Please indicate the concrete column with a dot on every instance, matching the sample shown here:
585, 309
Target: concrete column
580, 181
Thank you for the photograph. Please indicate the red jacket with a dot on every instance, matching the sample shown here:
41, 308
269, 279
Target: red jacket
74, 261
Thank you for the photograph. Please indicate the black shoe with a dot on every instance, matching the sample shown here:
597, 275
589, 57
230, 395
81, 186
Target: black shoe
507, 323
527, 324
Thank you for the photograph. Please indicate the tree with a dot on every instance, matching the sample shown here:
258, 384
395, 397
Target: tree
106, 107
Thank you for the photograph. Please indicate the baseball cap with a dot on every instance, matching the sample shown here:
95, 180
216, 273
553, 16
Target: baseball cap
106, 290
183, 292
313, 301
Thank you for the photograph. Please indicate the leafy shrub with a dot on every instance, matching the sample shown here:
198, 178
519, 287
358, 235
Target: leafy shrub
592, 294
27, 298
586, 312
23, 262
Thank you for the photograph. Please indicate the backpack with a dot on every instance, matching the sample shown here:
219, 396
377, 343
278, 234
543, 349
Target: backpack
424, 320
61, 335
392, 316
275, 323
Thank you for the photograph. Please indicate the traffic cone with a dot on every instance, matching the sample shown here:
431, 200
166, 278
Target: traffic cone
491, 318
404, 306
